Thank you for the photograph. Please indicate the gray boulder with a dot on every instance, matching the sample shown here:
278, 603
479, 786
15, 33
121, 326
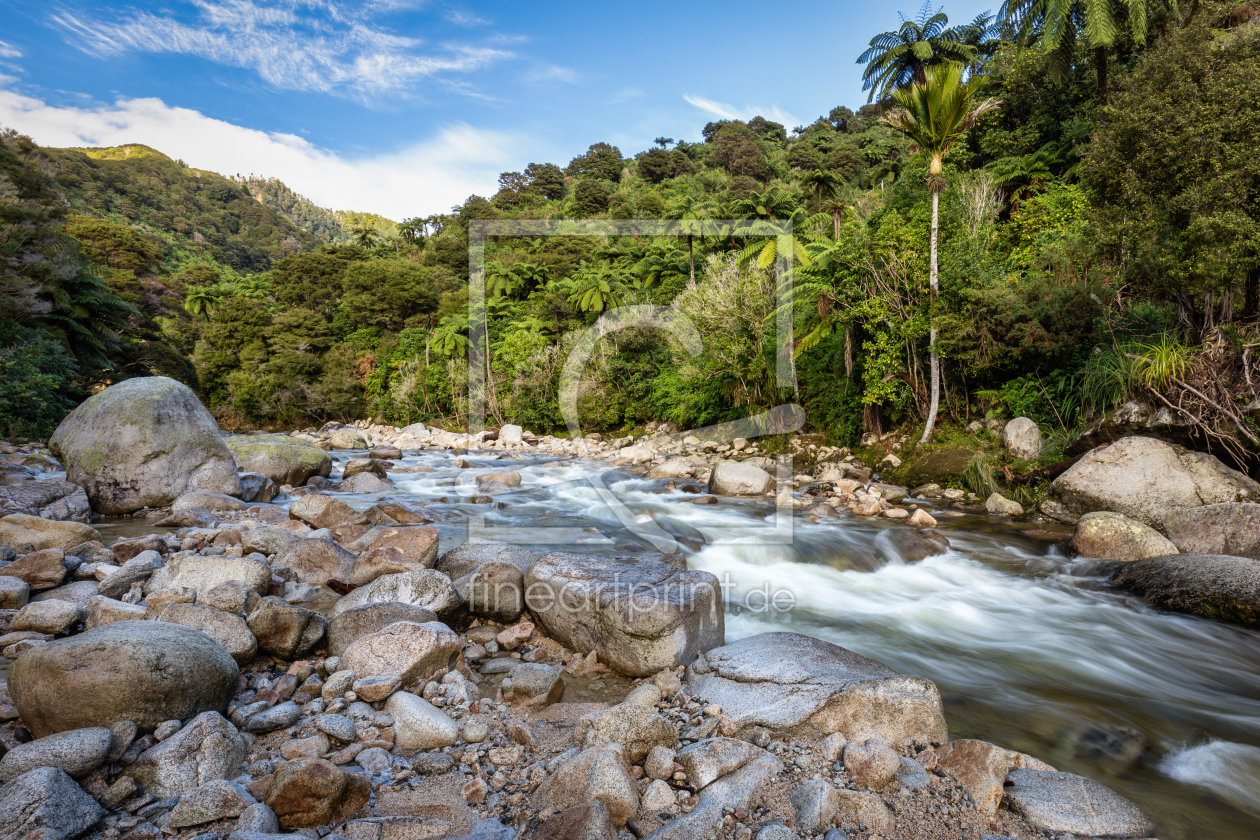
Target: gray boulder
316, 561
205, 573
802, 687
599, 774
319, 511
710, 759
207, 499
1114, 536
77, 752
1144, 478
143, 443
475, 553
496, 591
51, 499
143, 671
285, 630
732, 478
640, 617
1064, 803
406, 650
257, 488
227, 629
421, 587
731, 791
365, 484
1210, 585
1022, 439
208, 748
46, 800
1227, 528
283, 459
349, 626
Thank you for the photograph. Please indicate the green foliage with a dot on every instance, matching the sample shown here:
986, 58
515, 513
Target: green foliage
36, 383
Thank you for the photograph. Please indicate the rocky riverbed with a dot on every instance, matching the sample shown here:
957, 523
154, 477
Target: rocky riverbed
385, 633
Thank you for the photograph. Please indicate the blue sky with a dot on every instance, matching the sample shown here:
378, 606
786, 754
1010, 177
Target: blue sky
405, 107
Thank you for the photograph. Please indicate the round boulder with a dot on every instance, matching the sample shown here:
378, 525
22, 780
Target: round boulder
1022, 439
283, 459
1114, 536
143, 671
143, 443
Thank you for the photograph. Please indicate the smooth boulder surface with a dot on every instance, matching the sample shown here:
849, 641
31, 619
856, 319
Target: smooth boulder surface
143, 443
1228, 528
316, 561
24, 534
208, 748
1114, 536
205, 573
1061, 802
1144, 478
475, 553
1022, 439
639, 617
311, 792
1210, 585
283, 459
422, 587
50, 499
406, 650
349, 626
227, 629
731, 478
47, 804
601, 774
798, 686
142, 671
77, 752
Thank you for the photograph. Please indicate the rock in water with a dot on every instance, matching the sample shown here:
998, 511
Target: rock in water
1226, 528
731, 478
46, 799
283, 459
143, 671
802, 687
50, 499
1114, 536
1144, 478
1210, 585
1062, 802
143, 443
640, 617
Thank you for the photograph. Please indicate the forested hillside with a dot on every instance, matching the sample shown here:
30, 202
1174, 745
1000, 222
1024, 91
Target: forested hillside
1097, 241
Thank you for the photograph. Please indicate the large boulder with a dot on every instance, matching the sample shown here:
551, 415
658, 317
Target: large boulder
403, 649
475, 553
284, 629
1022, 439
1061, 803
422, 587
1228, 528
798, 686
206, 749
283, 459
1210, 585
23, 533
353, 624
205, 573
731, 478
639, 617
316, 561
143, 443
77, 752
46, 803
227, 629
142, 671
1144, 478
49, 499
321, 511
1114, 536
601, 774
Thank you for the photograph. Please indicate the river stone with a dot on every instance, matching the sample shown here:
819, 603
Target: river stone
1210, 585
598, 774
47, 804
24, 534
509, 478
495, 591
336, 726
417, 542
870, 763
227, 629
418, 725
283, 459
635, 728
1022, 439
14, 593
401, 513
50, 617
267, 541
103, 610
533, 685
588, 821
356, 466
319, 511
312, 792
734, 790
731, 478
80, 592
316, 561
353, 624
999, 505
1144, 478
378, 562
475, 553
41, 570
143, 443
47, 499
285, 630
710, 759
205, 573
257, 488
143, 671
640, 617
412, 652
257, 818
815, 803
798, 686
981, 768
422, 587
1061, 802
233, 596
208, 499
365, 484
347, 439
213, 801
77, 752
208, 748
281, 716
1114, 536
136, 570
856, 809
1228, 528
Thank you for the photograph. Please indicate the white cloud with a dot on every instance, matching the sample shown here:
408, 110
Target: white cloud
429, 177
467, 19
9, 51
730, 112
551, 73
330, 52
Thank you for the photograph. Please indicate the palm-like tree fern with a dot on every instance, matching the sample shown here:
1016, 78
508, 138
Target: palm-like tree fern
896, 59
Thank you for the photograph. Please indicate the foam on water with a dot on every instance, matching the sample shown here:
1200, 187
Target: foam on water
1231, 771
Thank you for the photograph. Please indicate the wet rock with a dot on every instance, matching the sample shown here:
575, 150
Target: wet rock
355, 466
870, 763
635, 728
1061, 802
795, 685
312, 792
208, 499
412, 652
495, 591
204, 573
1114, 536
353, 624
708, 760
1213, 586
815, 803
77, 753
283, 459
589, 821
285, 630
143, 671
365, 484
727, 793
1144, 478
732, 478
912, 546
475, 553
509, 478
638, 617
25, 534
999, 505
316, 561
208, 748
213, 801
533, 686
46, 803
1114, 749
257, 488
50, 499
401, 513
51, 617
1231, 528
418, 725
227, 629
598, 774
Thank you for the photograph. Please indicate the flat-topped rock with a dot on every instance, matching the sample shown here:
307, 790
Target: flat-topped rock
1061, 802
1210, 585
283, 459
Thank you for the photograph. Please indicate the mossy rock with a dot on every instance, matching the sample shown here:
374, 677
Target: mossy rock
283, 459
943, 467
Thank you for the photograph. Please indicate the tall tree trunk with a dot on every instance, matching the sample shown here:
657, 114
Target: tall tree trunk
1251, 294
1100, 63
936, 368
691, 257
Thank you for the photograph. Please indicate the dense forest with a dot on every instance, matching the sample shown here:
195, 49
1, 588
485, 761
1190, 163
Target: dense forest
1098, 198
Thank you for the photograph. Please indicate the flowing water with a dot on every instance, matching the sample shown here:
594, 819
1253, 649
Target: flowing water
1031, 649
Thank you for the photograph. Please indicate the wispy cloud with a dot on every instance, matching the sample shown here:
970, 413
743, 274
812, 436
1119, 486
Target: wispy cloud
551, 74
730, 112
9, 51
424, 178
287, 44
461, 18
